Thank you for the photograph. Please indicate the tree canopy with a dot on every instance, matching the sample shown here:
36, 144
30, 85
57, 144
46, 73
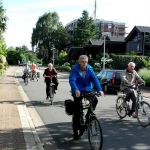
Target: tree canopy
86, 29
47, 34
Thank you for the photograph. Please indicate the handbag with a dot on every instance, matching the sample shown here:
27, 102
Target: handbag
69, 106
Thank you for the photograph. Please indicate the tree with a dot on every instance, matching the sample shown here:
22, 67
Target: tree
48, 33
3, 19
86, 29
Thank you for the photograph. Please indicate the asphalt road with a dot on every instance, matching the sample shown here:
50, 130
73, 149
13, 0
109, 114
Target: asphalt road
124, 134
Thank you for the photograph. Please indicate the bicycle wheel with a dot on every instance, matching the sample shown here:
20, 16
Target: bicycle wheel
121, 108
26, 80
95, 135
51, 94
143, 113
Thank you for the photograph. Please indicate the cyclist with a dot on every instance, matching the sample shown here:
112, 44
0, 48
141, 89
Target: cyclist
129, 78
33, 70
82, 79
50, 71
26, 71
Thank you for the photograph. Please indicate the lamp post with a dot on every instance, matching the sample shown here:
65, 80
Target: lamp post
53, 54
104, 36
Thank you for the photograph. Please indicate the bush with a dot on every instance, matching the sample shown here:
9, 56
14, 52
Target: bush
121, 61
63, 68
145, 74
2, 59
1, 66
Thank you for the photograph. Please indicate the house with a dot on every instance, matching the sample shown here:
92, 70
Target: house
94, 47
74, 53
135, 41
115, 44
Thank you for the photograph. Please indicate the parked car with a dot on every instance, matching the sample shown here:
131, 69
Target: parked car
110, 80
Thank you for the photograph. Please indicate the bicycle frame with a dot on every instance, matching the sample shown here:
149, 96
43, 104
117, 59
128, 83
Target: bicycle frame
142, 108
91, 123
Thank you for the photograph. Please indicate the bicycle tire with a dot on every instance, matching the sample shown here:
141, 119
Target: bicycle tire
51, 93
95, 134
120, 108
143, 113
26, 80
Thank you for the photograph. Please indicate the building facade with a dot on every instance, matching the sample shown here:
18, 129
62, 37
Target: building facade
110, 27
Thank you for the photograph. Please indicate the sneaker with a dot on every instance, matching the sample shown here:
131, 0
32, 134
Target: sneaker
47, 98
134, 115
81, 131
76, 137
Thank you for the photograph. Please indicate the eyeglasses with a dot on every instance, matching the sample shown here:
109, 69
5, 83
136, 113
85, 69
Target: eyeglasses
84, 61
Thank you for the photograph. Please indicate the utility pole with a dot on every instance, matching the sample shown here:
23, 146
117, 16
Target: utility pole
104, 59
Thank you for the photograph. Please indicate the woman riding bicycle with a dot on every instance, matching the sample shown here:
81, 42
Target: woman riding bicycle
129, 78
50, 74
82, 79
26, 71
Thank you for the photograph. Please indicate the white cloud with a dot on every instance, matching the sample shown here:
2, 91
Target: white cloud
24, 14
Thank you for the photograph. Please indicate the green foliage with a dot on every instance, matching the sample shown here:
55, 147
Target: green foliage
20, 54
86, 30
63, 68
1, 66
62, 55
2, 47
48, 32
132, 53
121, 61
3, 19
145, 74
2, 59
147, 63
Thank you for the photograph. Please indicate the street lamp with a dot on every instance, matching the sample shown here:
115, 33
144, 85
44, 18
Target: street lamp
53, 54
104, 34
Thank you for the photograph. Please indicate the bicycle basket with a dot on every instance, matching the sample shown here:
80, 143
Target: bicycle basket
69, 106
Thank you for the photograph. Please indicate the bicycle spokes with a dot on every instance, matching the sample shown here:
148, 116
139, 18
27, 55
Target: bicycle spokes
143, 113
95, 134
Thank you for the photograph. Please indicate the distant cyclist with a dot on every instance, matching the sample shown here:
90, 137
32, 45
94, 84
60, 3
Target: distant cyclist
33, 71
26, 71
82, 79
129, 78
50, 74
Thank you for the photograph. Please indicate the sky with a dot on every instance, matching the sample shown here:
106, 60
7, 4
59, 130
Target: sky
23, 14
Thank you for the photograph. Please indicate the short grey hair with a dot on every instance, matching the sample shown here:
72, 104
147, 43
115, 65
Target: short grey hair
83, 57
131, 64
50, 64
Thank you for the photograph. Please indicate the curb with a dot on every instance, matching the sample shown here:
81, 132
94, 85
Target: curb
27, 123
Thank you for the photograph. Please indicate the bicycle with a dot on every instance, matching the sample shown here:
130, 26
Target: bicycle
142, 108
51, 89
26, 78
90, 123
34, 75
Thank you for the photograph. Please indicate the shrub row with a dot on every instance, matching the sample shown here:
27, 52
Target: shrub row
145, 74
121, 61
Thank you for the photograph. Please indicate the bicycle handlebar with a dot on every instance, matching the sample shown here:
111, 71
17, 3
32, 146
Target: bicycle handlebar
135, 86
90, 94
49, 76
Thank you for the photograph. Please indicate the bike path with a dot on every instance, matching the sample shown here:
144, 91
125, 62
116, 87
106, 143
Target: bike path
16, 128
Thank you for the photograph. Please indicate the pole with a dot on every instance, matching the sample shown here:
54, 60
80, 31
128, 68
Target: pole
104, 52
53, 56
143, 43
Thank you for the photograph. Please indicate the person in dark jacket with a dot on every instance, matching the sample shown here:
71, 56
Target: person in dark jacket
50, 73
82, 79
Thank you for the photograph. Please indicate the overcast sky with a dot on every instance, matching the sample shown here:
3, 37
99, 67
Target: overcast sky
23, 14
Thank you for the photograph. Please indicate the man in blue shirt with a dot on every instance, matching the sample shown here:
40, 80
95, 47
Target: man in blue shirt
82, 79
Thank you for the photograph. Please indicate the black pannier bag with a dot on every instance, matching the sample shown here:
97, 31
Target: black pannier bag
69, 106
